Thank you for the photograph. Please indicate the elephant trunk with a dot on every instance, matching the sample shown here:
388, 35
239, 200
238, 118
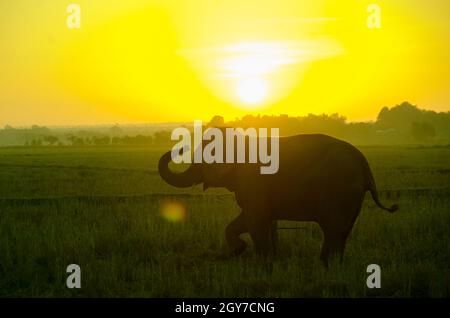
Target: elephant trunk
184, 179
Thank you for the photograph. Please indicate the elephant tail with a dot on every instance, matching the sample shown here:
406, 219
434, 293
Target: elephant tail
372, 187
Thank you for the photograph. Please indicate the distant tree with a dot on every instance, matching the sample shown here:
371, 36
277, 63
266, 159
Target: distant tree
74, 140
104, 140
88, 140
40, 129
51, 140
399, 117
79, 141
126, 140
36, 142
116, 140
217, 121
383, 113
162, 137
115, 130
422, 131
142, 140
70, 138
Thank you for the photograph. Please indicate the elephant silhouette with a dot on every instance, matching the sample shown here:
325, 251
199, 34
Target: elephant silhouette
320, 179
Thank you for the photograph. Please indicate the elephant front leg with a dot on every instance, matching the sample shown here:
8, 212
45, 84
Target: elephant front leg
260, 227
237, 227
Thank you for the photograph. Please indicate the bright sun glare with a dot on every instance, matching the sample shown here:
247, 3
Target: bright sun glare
253, 75
248, 63
252, 90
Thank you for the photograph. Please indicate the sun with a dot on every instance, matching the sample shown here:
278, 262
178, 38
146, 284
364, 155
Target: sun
256, 75
252, 91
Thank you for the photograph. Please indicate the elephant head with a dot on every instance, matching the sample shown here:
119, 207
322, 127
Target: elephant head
211, 175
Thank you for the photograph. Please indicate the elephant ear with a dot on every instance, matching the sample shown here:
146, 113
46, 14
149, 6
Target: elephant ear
227, 175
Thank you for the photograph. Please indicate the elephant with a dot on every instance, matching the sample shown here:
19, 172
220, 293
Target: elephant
320, 179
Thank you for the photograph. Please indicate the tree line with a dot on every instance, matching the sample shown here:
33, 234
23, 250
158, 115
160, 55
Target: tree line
402, 124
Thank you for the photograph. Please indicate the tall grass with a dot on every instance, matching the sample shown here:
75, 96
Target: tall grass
126, 248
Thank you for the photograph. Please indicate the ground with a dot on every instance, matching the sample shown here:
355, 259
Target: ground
100, 207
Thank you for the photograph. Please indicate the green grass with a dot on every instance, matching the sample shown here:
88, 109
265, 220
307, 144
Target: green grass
99, 207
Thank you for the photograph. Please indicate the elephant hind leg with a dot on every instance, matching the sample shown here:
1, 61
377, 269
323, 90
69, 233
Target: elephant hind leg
232, 233
336, 231
274, 236
333, 245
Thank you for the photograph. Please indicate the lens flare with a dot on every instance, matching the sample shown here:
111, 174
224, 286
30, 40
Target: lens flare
173, 211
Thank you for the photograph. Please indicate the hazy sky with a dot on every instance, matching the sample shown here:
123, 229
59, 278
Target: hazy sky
180, 60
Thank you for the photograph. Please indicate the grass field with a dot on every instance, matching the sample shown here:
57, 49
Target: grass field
99, 207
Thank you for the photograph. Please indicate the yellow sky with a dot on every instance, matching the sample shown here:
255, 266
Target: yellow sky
180, 60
